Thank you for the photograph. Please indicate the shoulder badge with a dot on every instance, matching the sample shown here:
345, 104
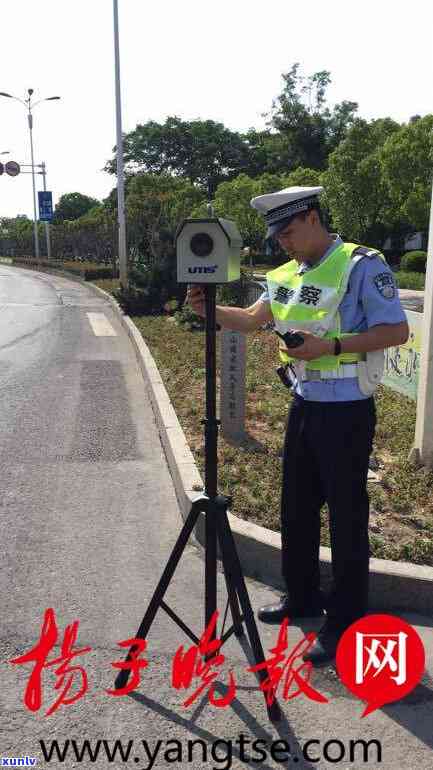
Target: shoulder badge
385, 285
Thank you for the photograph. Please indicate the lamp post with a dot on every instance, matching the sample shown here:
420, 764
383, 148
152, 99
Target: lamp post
28, 104
123, 265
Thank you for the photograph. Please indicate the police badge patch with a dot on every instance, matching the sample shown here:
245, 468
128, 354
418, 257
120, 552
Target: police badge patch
385, 285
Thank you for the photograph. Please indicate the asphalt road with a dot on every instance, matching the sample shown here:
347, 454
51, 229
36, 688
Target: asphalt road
88, 520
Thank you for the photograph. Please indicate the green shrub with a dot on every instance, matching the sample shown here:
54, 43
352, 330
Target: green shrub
235, 293
414, 262
85, 270
153, 285
137, 301
33, 262
186, 317
406, 280
139, 276
91, 273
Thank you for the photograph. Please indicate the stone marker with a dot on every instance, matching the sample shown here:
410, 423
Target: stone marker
232, 392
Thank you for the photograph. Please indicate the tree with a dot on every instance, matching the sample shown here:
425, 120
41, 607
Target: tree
155, 206
308, 130
92, 236
203, 152
406, 162
232, 201
17, 233
73, 206
355, 191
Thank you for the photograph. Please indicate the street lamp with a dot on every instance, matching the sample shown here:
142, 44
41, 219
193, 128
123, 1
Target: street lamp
5, 152
123, 263
28, 104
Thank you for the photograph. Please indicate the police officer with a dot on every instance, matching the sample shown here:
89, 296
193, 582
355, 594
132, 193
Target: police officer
342, 300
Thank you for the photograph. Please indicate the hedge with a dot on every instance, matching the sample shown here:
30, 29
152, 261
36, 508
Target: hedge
85, 270
414, 262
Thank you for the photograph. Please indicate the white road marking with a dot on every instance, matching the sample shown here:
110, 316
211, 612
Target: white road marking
28, 304
100, 325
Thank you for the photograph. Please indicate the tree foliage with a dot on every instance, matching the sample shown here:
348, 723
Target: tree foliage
156, 204
92, 236
308, 130
73, 206
201, 151
406, 164
16, 236
355, 191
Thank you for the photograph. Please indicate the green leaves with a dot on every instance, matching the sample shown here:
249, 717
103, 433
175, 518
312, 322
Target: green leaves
201, 151
379, 179
308, 129
73, 206
406, 163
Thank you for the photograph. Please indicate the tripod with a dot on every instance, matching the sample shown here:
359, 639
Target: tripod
217, 529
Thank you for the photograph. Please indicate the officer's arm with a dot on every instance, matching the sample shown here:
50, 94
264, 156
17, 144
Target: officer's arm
246, 319
385, 317
377, 338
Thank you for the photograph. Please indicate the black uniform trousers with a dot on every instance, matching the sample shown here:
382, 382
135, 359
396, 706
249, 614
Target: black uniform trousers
326, 452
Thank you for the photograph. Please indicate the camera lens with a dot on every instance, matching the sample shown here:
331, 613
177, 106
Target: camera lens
201, 244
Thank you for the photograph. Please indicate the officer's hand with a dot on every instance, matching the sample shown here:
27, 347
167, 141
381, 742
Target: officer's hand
313, 347
195, 298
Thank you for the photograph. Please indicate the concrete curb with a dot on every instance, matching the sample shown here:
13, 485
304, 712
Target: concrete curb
393, 585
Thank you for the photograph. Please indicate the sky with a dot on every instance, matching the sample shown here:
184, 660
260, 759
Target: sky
195, 59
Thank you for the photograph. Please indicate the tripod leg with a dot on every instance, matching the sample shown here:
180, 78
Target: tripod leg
234, 603
230, 557
210, 570
197, 507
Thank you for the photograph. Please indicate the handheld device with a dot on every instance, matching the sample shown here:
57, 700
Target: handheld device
291, 339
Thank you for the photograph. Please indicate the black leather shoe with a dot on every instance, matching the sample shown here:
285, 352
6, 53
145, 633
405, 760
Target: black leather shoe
324, 648
285, 608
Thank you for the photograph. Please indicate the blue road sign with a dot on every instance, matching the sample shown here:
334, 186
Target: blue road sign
45, 206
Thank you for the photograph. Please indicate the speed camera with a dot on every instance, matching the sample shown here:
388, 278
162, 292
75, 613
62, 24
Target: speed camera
208, 251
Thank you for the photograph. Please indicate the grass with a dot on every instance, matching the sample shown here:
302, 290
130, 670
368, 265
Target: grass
108, 284
401, 505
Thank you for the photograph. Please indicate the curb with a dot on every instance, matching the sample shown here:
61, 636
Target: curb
393, 585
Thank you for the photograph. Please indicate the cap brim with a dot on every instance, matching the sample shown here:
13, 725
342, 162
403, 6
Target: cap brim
276, 228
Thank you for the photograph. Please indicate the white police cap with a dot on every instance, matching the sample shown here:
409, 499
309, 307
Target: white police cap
279, 207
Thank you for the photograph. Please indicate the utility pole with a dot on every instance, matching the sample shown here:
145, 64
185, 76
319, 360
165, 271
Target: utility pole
47, 224
35, 216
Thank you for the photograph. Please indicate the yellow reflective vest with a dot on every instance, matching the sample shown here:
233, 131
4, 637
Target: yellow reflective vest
310, 301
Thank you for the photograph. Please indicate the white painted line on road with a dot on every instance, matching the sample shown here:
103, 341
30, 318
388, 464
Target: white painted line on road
29, 304
100, 325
